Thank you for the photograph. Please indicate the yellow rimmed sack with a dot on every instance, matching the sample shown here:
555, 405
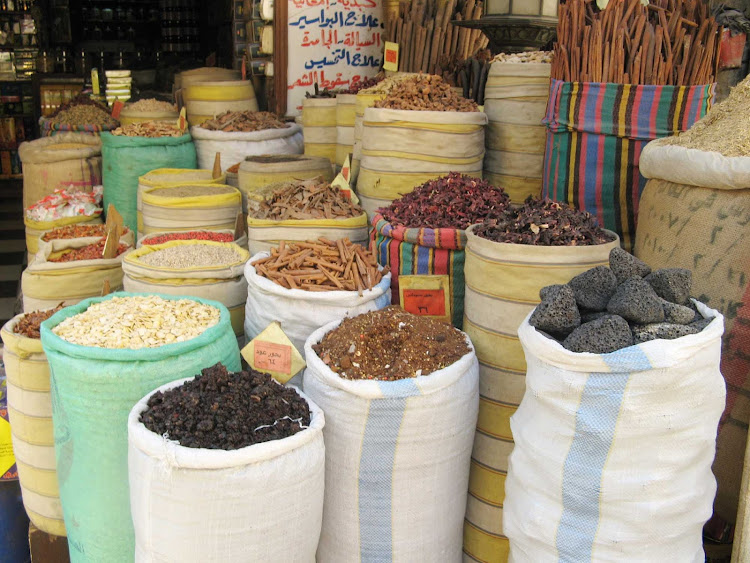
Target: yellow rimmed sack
502, 287
364, 100
46, 284
204, 100
345, 115
128, 116
242, 241
30, 415
172, 177
223, 283
402, 149
35, 229
212, 211
319, 127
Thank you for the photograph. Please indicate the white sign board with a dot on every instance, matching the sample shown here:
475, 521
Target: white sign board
332, 43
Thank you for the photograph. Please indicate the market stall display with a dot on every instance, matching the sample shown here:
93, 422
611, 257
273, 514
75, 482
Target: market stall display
423, 232
626, 75
30, 414
271, 475
539, 244
238, 134
198, 268
148, 109
400, 396
59, 209
204, 100
305, 285
83, 115
649, 408
302, 210
319, 127
49, 164
419, 131
122, 347
694, 214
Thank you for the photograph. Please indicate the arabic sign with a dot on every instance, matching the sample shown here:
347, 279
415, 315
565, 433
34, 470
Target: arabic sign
334, 43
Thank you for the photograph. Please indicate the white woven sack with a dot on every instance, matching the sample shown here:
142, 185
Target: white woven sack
613, 452
302, 312
234, 147
397, 461
259, 503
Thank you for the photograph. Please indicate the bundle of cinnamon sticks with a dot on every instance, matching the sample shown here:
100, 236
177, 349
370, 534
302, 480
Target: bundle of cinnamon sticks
667, 42
428, 41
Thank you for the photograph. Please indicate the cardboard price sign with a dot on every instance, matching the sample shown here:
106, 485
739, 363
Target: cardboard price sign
390, 56
114, 229
427, 296
269, 356
117, 108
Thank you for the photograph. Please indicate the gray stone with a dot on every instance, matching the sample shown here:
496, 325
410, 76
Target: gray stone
664, 331
625, 265
558, 313
636, 301
548, 290
672, 284
677, 314
588, 316
594, 288
700, 324
601, 336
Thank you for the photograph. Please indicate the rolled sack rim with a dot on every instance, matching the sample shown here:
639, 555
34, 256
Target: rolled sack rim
373, 388
19, 344
396, 116
54, 343
172, 454
111, 141
201, 134
415, 235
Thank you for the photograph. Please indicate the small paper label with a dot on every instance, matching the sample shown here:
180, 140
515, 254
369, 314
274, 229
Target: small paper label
273, 357
8, 471
182, 120
391, 56
346, 169
425, 302
117, 108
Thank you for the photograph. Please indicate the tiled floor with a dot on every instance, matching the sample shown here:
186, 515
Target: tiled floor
12, 247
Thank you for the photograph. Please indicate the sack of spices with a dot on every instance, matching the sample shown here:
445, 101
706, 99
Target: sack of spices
695, 214
262, 486
319, 127
126, 159
70, 269
190, 206
30, 414
197, 268
222, 235
105, 354
308, 305
616, 433
400, 397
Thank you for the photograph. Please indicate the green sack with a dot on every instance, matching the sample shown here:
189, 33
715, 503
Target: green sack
125, 159
93, 391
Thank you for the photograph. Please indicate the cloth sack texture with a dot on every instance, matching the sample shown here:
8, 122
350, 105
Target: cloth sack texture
35, 229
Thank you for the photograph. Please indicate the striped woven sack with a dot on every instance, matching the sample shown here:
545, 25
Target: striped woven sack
50, 129
423, 251
595, 135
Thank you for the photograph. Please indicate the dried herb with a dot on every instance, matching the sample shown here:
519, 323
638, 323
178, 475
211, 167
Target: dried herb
307, 199
325, 93
453, 201
544, 222
365, 84
29, 324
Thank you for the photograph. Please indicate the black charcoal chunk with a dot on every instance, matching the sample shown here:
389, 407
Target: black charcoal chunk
677, 314
637, 302
588, 316
548, 290
601, 336
558, 313
672, 284
700, 324
594, 288
625, 265
664, 331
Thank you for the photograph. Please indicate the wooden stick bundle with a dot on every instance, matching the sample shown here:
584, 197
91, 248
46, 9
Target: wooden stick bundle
668, 42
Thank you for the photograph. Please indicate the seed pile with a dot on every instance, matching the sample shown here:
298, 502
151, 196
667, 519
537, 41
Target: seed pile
322, 265
188, 235
138, 322
151, 105
93, 251
454, 201
192, 256
79, 100
84, 115
425, 92
149, 129
194, 191
76, 231
243, 121
219, 410
306, 199
527, 57
544, 222
723, 129
29, 324
390, 344
606, 309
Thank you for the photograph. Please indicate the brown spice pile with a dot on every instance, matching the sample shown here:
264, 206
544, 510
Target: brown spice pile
243, 121
390, 344
29, 324
90, 252
149, 129
84, 114
307, 199
77, 231
425, 92
724, 129
151, 105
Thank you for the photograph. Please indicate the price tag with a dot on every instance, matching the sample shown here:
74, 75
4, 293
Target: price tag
117, 108
95, 81
114, 230
272, 352
425, 295
244, 68
390, 58
346, 169
217, 166
182, 120
269, 356
106, 289
8, 471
